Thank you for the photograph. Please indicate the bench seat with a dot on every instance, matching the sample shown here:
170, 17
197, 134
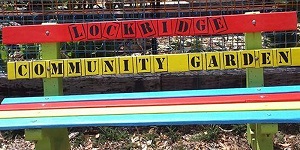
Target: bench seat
279, 104
242, 117
160, 94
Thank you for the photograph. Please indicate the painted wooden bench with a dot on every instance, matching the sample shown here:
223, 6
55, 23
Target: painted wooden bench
46, 118
215, 106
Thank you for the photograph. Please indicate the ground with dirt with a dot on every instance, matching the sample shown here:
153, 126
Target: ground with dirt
209, 137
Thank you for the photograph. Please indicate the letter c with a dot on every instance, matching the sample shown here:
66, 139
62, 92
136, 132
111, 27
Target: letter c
20, 70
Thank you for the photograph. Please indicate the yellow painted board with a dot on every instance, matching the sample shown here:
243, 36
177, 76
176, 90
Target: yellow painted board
56, 68
266, 58
82, 66
154, 63
160, 63
283, 57
65, 67
152, 109
109, 65
100, 67
91, 66
295, 56
72, 67
39, 69
48, 73
143, 64
134, 65
117, 66
11, 70
212, 60
247, 59
126, 65
178, 63
195, 61
22, 69
229, 60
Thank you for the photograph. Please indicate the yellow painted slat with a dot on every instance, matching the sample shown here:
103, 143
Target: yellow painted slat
212, 60
154, 63
109, 65
160, 63
134, 63
11, 70
22, 69
247, 59
48, 73
283, 57
153, 109
266, 58
229, 60
91, 66
73, 67
195, 61
295, 56
126, 65
100, 67
143, 64
57, 68
39, 69
178, 62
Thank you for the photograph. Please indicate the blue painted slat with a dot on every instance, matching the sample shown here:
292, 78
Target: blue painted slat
161, 94
289, 116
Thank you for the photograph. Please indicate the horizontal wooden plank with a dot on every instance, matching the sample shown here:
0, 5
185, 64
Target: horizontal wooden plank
153, 63
152, 109
160, 94
284, 116
281, 97
188, 26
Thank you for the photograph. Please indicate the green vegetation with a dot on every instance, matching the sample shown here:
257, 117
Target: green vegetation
239, 129
210, 133
3, 58
138, 137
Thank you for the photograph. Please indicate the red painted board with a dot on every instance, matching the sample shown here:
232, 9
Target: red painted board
188, 26
282, 97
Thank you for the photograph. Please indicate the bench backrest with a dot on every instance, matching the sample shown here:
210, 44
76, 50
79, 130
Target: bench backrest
152, 28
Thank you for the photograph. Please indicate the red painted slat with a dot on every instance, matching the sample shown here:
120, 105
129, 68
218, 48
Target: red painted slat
111, 30
282, 97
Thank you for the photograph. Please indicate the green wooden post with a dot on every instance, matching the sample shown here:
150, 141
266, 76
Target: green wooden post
50, 139
260, 136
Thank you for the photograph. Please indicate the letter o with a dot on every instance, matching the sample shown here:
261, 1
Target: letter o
94, 30
39, 69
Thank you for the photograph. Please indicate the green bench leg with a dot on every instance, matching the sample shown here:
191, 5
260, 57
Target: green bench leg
50, 139
260, 136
